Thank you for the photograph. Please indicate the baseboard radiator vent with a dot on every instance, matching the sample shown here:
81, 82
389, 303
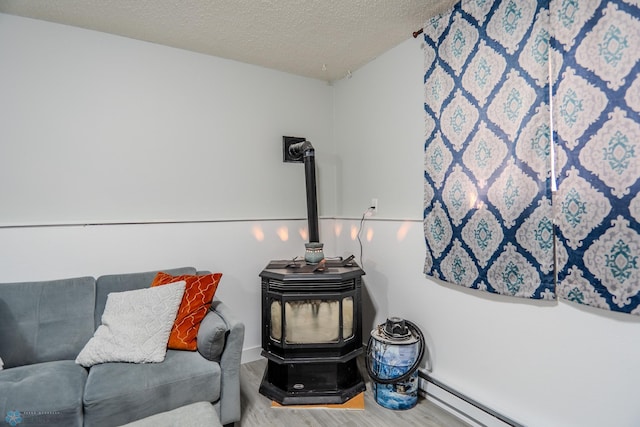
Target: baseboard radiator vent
463, 407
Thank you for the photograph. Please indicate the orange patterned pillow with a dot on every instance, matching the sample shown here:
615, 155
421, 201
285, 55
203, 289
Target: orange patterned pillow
196, 301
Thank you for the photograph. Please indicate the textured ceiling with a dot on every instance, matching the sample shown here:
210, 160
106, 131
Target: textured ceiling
322, 39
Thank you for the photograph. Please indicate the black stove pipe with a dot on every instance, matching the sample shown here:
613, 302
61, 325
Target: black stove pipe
305, 149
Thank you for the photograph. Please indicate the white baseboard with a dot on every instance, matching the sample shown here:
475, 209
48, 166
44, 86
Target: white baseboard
251, 354
468, 410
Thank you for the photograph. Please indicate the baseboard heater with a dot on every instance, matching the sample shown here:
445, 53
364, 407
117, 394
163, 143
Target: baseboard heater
465, 408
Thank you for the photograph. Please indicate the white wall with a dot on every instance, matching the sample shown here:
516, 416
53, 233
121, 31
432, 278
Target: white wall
379, 142
99, 128
96, 128
88, 119
539, 363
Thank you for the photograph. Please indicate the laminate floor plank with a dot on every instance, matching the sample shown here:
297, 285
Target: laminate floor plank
257, 410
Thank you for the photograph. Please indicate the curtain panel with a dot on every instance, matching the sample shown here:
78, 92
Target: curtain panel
595, 116
488, 220
496, 141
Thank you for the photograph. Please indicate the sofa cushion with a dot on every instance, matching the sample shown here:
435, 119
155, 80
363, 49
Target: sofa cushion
118, 393
126, 282
135, 326
198, 294
47, 394
212, 336
45, 321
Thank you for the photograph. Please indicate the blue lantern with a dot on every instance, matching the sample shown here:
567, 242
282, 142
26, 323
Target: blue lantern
394, 353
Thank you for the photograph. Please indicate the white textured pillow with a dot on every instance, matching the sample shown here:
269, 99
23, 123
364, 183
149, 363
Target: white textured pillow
1, 363
135, 326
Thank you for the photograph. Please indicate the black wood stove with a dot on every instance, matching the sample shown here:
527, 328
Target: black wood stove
311, 332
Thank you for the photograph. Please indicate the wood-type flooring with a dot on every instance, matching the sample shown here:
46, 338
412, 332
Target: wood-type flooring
257, 410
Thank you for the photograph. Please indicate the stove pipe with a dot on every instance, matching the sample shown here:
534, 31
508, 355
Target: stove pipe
305, 149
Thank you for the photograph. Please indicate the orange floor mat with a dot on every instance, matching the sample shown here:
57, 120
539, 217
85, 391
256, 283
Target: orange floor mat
355, 403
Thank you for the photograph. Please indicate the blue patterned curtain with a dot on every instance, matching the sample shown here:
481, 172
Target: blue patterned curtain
597, 121
488, 219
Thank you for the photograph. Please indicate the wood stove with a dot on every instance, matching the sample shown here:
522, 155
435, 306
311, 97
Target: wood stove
311, 332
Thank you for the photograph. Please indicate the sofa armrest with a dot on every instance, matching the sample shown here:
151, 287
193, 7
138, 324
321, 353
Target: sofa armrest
220, 338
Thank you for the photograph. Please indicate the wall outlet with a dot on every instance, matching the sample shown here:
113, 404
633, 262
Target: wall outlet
373, 207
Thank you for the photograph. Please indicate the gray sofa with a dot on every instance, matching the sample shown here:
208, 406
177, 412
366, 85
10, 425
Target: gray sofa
43, 327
